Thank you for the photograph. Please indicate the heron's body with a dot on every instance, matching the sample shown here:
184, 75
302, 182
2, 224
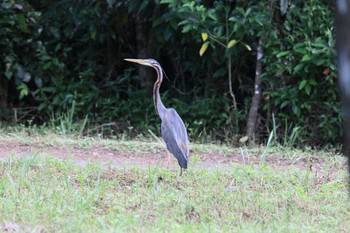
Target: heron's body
175, 136
172, 127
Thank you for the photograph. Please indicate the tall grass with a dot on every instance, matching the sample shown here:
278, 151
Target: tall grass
67, 124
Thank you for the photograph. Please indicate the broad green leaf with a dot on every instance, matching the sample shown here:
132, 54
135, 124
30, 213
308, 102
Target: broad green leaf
296, 110
313, 82
22, 23
302, 84
306, 58
45, 58
231, 43
287, 27
320, 44
318, 51
240, 10
320, 62
306, 106
55, 61
248, 12
23, 90
308, 89
212, 15
203, 48
301, 50
298, 68
187, 28
234, 19
284, 104
204, 36
282, 54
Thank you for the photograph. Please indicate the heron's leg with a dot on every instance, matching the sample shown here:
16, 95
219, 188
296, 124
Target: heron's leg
180, 171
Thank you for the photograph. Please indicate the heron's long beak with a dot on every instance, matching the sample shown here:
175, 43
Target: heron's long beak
139, 61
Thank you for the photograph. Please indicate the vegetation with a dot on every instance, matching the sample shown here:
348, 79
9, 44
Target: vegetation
66, 57
64, 84
41, 193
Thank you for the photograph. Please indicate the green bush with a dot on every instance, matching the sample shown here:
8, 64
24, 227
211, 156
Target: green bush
56, 54
19, 42
300, 73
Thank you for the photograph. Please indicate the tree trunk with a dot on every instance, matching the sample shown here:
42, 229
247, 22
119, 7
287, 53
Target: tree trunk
142, 38
253, 111
3, 92
342, 26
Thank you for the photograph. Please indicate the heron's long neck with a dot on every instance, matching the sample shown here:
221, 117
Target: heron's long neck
158, 104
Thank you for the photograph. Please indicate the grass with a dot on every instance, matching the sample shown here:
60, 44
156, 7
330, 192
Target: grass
43, 194
143, 144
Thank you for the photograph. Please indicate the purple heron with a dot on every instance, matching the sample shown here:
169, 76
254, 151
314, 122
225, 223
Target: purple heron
173, 129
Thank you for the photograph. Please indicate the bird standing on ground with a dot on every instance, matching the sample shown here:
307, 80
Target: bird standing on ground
172, 127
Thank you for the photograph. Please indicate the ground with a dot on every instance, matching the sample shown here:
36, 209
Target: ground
141, 153
89, 184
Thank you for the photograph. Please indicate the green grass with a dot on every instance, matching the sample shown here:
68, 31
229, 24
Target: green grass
142, 144
41, 193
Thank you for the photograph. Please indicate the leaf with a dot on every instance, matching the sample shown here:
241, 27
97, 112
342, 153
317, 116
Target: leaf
300, 50
247, 12
187, 28
295, 110
23, 90
306, 106
320, 62
220, 72
47, 65
302, 84
240, 10
298, 67
204, 36
22, 23
284, 104
308, 89
306, 58
44, 58
247, 46
231, 43
55, 61
282, 54
313, 82
212, 15
55, 32
203, 48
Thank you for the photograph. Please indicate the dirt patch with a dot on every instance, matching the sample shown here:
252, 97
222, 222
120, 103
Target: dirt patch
114, 156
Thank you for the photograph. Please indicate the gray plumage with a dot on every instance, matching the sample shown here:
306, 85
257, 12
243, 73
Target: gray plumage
172, 127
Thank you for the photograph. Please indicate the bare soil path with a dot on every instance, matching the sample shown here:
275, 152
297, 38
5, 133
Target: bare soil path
144, 154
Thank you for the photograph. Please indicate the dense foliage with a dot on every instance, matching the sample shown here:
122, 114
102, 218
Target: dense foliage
66, 57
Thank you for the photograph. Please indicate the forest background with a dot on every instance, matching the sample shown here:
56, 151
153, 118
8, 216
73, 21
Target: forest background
236, 71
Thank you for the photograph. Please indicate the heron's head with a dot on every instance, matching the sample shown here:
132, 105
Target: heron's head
146, 62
